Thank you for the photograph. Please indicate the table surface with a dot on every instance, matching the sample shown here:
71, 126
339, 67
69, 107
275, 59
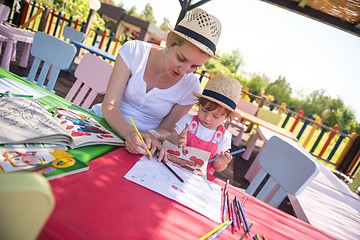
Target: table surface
258, 121
328, 204
102, 204
95, 50
17, 34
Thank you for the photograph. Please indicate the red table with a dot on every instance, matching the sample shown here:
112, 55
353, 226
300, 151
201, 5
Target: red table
102, 204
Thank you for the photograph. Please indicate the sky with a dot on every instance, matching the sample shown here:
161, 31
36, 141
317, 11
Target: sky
276, 42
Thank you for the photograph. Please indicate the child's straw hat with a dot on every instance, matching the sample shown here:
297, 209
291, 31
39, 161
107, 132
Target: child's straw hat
224, 90
201, 29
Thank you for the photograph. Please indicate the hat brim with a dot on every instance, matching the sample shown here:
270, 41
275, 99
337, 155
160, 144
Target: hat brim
193, 41
233, 112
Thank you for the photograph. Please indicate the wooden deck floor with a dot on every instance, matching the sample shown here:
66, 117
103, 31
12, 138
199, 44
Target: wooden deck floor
235, 171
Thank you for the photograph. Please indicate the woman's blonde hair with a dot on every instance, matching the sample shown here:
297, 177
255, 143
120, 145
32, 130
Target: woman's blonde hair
175, 40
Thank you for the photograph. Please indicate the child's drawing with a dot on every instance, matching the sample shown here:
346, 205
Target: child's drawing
196, 192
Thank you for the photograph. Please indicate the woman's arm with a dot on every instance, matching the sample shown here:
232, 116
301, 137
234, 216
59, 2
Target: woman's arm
110, 108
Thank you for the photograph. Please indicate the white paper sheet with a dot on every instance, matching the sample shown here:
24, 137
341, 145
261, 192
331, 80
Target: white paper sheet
196, 192
18, 88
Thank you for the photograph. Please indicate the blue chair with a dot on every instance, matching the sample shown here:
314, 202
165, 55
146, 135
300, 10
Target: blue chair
53, 52
71, 34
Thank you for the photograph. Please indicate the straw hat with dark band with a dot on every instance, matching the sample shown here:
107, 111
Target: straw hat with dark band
201, 29
224, 90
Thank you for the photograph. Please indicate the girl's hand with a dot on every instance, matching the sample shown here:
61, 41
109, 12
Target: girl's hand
155, 145
183, 138
224, 157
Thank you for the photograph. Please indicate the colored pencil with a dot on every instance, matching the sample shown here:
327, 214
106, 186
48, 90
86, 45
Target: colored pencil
246, 232
236, 222
225, 203
15, 95
242, 204
220, 231
213, 231
238, 211
232, 153
264, 238
226, 186
173, 172
138, 133
257, 236
243, 215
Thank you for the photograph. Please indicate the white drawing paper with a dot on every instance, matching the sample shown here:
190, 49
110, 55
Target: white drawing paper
196, 192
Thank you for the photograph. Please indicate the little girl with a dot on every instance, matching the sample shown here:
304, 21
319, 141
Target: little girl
205, 130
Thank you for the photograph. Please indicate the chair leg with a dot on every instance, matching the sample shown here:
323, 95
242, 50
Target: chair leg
238, 137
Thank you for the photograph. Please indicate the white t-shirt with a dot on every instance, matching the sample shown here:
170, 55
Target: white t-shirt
149, 109
205, 134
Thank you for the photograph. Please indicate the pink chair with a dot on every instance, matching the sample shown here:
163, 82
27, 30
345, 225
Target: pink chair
248, 107
94, 73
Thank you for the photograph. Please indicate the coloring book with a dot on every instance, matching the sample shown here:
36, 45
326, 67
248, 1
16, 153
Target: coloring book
49, 164
196, 192
25, 120
192, 160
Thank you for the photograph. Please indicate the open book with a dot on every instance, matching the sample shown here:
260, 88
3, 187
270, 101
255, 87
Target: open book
25, 120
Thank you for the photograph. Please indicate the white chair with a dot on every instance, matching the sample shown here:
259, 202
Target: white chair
248, 107
26, 202
53, 52
92, 73
291, 169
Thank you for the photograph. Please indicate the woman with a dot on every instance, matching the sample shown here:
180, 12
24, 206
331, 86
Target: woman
153, 85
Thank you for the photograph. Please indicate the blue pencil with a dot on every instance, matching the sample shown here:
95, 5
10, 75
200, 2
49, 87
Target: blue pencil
232, 153
243, 215
220, 230
225, 203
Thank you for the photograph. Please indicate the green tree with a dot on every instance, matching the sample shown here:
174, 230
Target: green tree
255, 85
232, 61
147, 14
280, 89
163, 25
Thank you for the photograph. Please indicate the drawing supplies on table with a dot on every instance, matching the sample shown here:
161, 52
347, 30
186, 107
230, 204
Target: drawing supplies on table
226, 186
221, 230
242, 237
213, 231
243, 216
232, 153
172, 171
138, 133
51, 165
224, 208
238, 211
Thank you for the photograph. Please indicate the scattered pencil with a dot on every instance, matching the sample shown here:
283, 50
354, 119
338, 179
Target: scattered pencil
175, 174
242, 237
242, 204
213, 231
226, 186
243, 216
225, 203
220, 231
257, 236
238, 211
264, 238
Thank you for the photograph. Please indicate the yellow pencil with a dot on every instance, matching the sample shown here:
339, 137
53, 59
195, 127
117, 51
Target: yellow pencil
137, 131
213, 231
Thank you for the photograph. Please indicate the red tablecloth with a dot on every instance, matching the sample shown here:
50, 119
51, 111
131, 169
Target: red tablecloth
102, 204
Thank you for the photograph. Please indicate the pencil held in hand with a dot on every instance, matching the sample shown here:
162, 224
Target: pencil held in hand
138, 133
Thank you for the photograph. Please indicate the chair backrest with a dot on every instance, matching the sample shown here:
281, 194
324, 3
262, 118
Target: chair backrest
53, 52
94, 73
71, 34
247, 106
289, 165
268, 116
26, 203
4, 13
